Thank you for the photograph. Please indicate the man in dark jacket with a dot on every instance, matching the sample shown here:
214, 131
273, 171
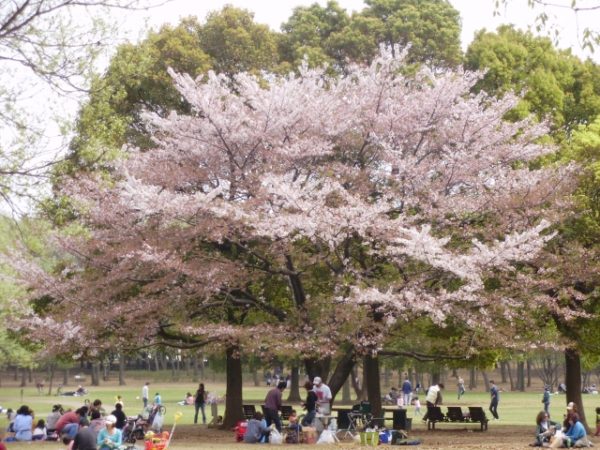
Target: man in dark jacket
273, 405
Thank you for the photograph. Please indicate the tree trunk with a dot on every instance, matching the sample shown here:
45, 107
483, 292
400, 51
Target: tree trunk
233, 393
51, 378
529, 367
573, 381
510, 377
318, 368
386, 378
294, 386
121, 370
105, 367
371, 367
23, 378
503, 371
195, 369
485, 380
346, 398
30, 375
341, 372
95, 374
65, 377
472, 378
521, 376
356, 385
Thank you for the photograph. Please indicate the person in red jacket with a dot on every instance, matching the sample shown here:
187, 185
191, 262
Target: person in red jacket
68, 424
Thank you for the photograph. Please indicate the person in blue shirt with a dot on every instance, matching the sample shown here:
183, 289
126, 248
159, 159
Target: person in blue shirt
495, 399
406, 392
575, 432
110, 436
546, 400
157, 399
257, 429
23, 424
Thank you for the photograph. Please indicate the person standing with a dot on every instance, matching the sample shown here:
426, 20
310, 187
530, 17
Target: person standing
461, 387
546, 399
200, 403
273, 405
157, 399
495, 399
145, 393
323, 396
433, 397
406, 391
310, 405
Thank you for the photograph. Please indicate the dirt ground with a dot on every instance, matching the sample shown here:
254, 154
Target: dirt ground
497, 437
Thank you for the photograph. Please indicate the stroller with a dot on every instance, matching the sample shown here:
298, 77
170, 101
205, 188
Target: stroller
136, 427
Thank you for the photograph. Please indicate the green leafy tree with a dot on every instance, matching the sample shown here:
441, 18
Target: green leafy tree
328, 34
432, 27
308, 33
236, 43
556, 83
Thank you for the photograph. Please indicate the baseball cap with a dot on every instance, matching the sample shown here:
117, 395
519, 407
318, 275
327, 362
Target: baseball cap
111, 419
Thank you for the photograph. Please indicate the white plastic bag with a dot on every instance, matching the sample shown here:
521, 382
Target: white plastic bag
275, 437
157, 423
327, 437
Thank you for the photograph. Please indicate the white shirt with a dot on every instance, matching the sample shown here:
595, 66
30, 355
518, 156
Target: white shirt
145, 391
432, 394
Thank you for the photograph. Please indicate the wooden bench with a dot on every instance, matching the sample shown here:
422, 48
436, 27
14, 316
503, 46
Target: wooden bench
477, 414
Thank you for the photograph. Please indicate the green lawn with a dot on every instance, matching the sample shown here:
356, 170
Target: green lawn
514, 409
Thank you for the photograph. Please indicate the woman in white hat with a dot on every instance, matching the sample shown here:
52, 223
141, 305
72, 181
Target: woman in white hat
110, 436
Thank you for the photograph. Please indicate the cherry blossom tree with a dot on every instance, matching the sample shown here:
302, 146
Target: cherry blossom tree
266, 216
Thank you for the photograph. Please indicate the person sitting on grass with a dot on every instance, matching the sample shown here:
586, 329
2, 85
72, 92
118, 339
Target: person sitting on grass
575, 436
294, 429
23, 424
39, 433
97, 422
110, 436
120, 415
545, 429
257, 430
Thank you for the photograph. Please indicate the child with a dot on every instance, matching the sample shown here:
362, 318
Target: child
294, 429
39, 433
417, 404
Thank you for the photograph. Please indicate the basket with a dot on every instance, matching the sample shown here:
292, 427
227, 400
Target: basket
369, 438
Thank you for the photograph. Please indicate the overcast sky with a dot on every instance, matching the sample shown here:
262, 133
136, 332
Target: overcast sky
475, 14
